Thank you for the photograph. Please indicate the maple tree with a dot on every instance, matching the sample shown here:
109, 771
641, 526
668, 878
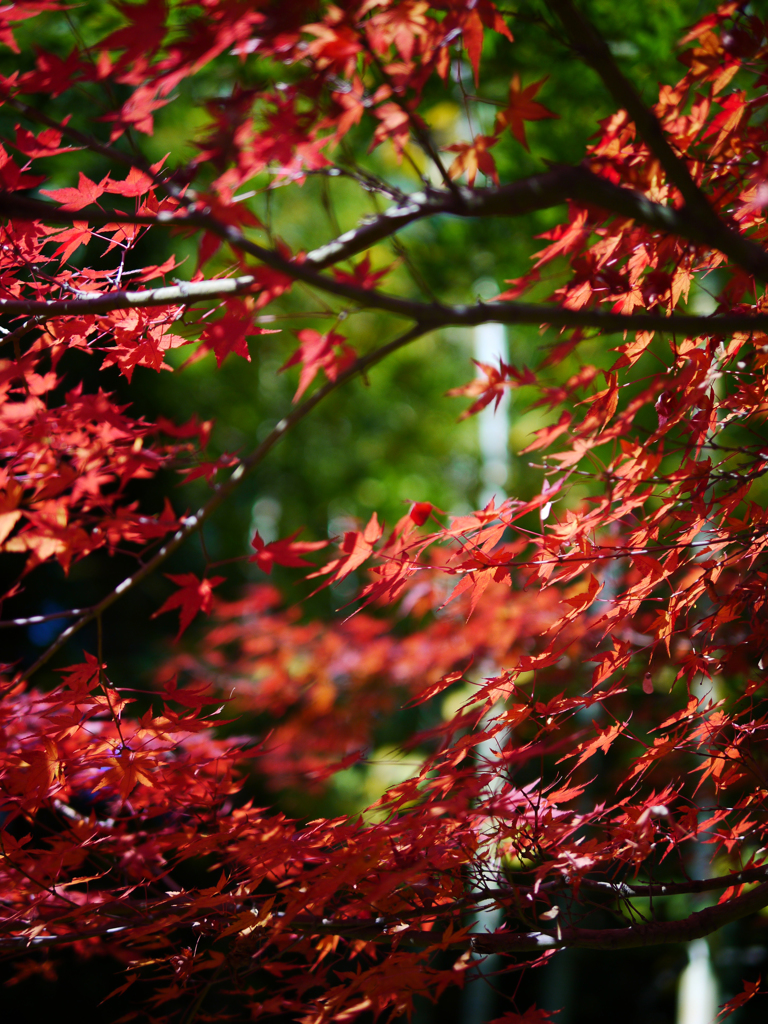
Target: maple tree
601, 641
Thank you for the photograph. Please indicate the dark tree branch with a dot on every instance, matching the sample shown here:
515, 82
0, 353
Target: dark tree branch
535, 193
630, 890
431, 316
538, 192
689, 888
647, 933
34, 620
593, 49
175, 912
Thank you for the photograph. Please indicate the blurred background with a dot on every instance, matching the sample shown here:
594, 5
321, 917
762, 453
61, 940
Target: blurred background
376, 445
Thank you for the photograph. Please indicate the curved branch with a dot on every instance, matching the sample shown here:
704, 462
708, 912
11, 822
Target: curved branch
34, 620
185, 293
430, 315
697, 925
507, 201
647, 933
691, 887
537, 192
637, 889
528, 195
593, 49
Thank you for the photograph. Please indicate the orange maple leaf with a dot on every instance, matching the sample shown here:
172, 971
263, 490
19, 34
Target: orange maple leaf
602, 741
128, 770
402, 25
522, 107
474, 157
37, 771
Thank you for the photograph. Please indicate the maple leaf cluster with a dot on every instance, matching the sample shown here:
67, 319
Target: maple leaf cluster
577, 673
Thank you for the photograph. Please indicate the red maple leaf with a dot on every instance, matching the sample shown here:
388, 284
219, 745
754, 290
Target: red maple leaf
70, 239
420, 512
491, 388
144, 31
750, 989
362, 276
137, 111
87, 192
208, 470
47, 143
53, 75
522, 107
136, 184
283, 552
228, 335
533, 1015
84, 677
11, 13
188, 696
336, 45
357, 546
327, 352
194, 596
471, 19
